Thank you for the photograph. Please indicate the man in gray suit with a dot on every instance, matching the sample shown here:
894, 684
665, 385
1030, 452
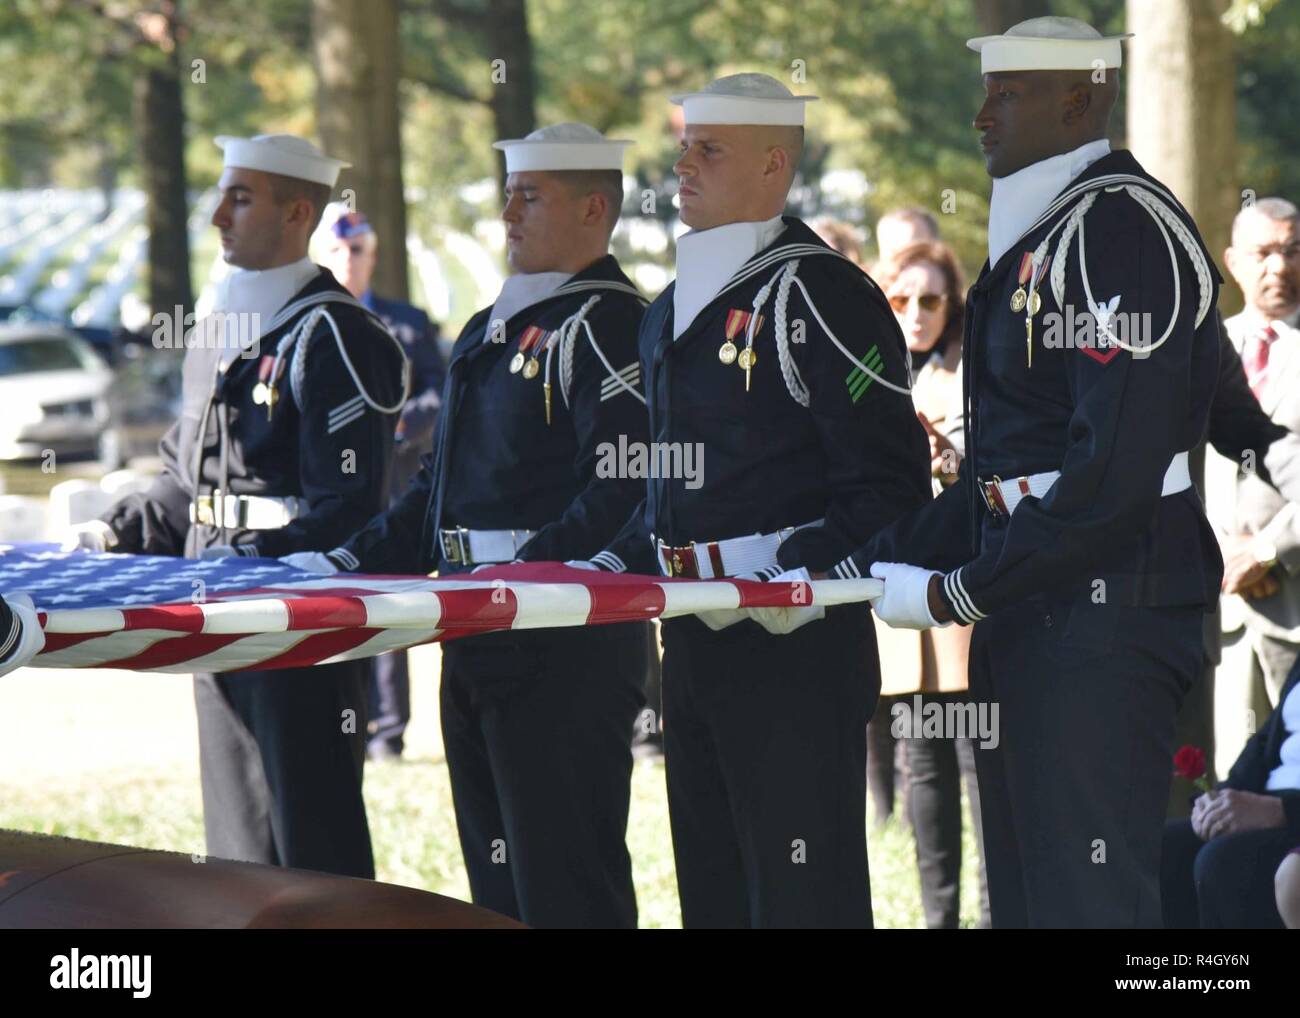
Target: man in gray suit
1259, 530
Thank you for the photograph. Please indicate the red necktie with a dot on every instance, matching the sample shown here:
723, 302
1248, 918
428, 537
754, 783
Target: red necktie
1255, 358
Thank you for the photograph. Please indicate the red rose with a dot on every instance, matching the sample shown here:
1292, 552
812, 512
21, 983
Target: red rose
1189, 762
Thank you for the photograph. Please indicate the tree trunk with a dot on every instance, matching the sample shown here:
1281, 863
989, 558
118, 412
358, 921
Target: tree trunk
160, 126
358, 60
514, 100
1181, 107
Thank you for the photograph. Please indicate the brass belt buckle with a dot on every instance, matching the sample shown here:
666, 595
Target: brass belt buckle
994, 492
203, 510
453, 546
987, 494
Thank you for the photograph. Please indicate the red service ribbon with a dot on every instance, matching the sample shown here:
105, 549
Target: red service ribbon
1038, 276
264, 369
738, 322
1026, 267
531, 337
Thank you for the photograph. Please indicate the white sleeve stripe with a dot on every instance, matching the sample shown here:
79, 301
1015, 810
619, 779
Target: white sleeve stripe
15, 629
343, 422
966, 594
616, 378
343, 408
344, 558
962, 604
608, 561
958, 605
630, 375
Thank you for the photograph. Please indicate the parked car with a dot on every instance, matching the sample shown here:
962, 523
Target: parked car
53, 393
58, 393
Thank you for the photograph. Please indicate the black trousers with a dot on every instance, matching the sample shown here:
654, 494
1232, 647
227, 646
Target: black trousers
648, 723
280, 758
537, 726
936, 768
389, 702
886, 763
765, 748
1073, 797
1222, 884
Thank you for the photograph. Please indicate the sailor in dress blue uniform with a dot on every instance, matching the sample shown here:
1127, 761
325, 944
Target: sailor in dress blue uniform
775, 367
1073, 538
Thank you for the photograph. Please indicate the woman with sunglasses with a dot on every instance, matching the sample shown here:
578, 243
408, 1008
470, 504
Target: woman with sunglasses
924, 286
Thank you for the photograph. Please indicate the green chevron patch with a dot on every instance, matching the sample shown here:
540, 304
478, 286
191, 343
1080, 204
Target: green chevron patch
859, 381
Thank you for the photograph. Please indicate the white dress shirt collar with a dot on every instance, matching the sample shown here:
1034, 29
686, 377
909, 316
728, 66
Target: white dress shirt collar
707, 259
1021, 197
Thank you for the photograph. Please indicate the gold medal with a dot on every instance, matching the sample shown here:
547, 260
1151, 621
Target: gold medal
532, 338
747, 360
738, 322
264, 391
1025, 273
1035, 303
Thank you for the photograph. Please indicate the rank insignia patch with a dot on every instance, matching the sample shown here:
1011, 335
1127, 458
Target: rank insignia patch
859, 381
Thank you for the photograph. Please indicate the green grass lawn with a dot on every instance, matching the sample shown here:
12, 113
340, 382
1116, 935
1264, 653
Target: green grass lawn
414, 831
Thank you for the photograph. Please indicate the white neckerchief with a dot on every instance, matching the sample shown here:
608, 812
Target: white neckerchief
523, 290
1021, 197
245, 293
706, 259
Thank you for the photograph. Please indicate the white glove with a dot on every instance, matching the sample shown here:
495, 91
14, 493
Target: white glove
311, 562
574, 563
780, 621
217, 551
777, 621
93, 536
723, 617
31, 637
905, 604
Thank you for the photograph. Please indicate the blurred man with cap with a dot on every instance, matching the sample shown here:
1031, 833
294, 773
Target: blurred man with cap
291, 390
350, 248
780, 361
1073, 538
537, 724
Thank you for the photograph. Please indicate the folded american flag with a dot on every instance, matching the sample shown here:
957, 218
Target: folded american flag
151, 613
